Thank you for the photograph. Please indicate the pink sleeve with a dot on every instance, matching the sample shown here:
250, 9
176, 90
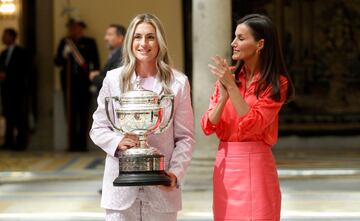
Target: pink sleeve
263, 113
183, 134
101, 131
205, 123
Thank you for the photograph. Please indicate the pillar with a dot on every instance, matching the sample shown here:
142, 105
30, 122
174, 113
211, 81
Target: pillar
211, 36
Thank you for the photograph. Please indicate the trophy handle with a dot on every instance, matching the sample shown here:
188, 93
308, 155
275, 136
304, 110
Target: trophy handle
171, 97
107, 101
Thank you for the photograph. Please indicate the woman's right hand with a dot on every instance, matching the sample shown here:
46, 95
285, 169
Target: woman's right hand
129, 141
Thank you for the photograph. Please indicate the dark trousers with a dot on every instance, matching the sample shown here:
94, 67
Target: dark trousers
15, 110
77, 109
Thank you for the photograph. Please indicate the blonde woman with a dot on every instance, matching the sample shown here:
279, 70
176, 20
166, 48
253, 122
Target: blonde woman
145, 55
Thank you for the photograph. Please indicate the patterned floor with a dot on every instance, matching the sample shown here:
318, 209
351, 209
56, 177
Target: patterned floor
50, 162
317, 185
63, 161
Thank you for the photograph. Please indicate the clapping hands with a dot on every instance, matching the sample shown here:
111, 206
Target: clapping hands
220, 69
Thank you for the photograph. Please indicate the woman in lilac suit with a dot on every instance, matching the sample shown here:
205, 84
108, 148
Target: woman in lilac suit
145, 55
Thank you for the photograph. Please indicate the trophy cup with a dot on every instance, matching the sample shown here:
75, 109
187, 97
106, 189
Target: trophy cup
141, 112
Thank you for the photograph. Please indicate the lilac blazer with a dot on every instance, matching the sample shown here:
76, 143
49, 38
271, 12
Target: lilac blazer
176, 143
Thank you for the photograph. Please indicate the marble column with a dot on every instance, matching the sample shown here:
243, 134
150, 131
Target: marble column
212, 35
43, 138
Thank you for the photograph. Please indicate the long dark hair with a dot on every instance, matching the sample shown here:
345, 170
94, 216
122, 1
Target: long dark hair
272, 63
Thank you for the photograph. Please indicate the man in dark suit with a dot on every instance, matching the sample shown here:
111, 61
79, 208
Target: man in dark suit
77, 55
15, 66
114, 38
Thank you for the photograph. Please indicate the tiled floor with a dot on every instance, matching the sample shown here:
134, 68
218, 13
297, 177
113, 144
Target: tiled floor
316, 185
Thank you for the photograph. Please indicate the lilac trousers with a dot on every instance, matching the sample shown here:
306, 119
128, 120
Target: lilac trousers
140, 210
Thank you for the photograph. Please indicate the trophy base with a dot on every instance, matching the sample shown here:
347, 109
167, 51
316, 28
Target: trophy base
142, 179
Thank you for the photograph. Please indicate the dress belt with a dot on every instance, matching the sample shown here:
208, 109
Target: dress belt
235, 148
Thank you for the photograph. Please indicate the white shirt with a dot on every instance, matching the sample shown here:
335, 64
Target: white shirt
8, 54
148, 83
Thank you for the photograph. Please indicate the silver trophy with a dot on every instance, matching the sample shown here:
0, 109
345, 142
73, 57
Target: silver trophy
141, 112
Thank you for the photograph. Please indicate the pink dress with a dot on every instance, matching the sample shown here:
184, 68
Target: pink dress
245, 180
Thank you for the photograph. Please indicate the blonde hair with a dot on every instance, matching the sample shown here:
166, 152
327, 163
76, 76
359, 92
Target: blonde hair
163, 60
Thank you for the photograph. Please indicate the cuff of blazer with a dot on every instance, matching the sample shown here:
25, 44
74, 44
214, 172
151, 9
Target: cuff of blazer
179, 177
113, 145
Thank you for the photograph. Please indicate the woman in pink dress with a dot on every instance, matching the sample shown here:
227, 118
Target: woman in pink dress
243, 113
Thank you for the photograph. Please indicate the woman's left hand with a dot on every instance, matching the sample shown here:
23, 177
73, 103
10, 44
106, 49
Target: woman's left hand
173, 183
222, 71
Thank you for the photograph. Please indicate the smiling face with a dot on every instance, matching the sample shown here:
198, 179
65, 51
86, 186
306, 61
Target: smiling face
145, 46
244, 44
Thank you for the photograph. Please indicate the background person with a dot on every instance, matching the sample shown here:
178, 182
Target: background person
77, 55
15, 66
114, 38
